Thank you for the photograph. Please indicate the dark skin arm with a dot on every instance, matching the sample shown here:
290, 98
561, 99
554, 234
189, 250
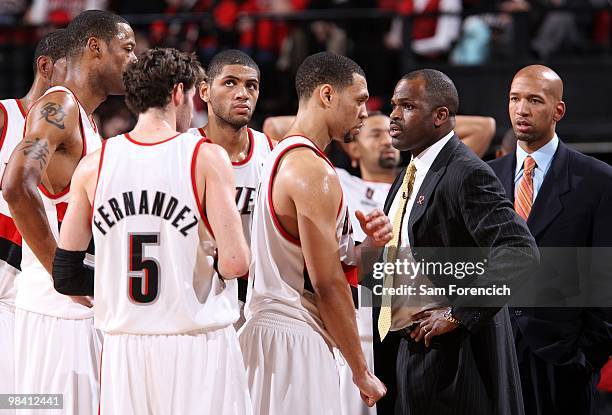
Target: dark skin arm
52, 144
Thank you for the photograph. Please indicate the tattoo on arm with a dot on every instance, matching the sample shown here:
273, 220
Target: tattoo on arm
36, 150
54, 114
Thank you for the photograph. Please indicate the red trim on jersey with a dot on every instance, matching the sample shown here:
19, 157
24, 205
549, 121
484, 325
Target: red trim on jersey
5, 128
324, 156
318, 150
97, 179
8, 230
277, 223
269, 142
50, 195
23, 111
84, 150
140, 143
201, 210
251, 145
61, 208
351, 274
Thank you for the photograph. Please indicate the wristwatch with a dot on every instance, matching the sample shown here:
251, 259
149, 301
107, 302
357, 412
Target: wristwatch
448, 315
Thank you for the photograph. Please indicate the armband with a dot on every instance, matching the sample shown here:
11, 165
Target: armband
70, 275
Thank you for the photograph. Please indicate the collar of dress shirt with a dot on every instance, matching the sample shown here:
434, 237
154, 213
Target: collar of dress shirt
425, 159
543, 156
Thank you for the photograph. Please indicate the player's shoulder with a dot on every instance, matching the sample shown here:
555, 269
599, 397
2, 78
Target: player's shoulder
56, 108
305, 167
89, 165
210, 154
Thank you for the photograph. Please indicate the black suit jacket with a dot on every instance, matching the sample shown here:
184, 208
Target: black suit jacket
573, 208
463, 205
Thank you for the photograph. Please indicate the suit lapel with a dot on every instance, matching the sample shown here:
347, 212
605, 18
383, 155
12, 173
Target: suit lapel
435, 173
507, 173
393, 190
547, 205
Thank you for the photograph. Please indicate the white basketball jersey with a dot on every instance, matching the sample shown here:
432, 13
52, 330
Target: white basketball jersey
247, 175
10, 239
362, 195
154, 247
278, 278
35, 290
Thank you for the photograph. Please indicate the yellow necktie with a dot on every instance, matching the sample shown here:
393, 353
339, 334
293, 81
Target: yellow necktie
384, 319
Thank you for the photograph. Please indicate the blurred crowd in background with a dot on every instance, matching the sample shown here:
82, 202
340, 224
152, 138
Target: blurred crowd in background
279, 34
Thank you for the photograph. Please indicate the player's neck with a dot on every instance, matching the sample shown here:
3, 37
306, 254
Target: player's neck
154, 125
89, 95
36, 91
387, 176
307, 124
235, 142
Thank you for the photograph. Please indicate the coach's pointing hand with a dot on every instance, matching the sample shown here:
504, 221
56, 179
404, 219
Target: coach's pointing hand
370, 387
376, 226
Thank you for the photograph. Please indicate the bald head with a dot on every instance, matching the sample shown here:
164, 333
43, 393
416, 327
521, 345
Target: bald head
535, 105
551, 82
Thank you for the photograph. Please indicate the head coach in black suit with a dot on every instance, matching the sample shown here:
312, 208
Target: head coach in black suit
451, 359
566, 199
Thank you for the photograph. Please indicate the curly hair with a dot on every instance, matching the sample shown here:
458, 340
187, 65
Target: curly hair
150, 80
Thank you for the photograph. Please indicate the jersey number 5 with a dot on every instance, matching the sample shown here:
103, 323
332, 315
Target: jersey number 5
143, 272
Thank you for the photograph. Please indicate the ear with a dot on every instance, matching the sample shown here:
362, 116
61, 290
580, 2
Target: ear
441, 115
326, 95
559, 111
178, 94
94, 45
203, 90
44, 67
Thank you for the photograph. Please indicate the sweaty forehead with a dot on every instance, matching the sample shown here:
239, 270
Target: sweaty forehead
124, 32
409, 89
238, 71
536, 85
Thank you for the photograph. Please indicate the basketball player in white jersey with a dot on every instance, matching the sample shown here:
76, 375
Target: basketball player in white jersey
49, 51
161, 202
56, 346
230, 93
299, 305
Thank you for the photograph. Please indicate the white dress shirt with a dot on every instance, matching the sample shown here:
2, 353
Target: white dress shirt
543, 158
402, 307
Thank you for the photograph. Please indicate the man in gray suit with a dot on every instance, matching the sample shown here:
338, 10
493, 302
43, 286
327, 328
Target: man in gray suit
454, 357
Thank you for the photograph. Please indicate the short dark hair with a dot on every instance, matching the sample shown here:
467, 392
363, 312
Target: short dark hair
149, 81
53, 45
325, 68
92, 23
440, 89
229, 57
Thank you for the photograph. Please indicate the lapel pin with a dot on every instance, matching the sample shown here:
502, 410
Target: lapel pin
421, 200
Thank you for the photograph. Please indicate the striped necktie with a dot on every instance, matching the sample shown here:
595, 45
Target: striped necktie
384, 319
524, 193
